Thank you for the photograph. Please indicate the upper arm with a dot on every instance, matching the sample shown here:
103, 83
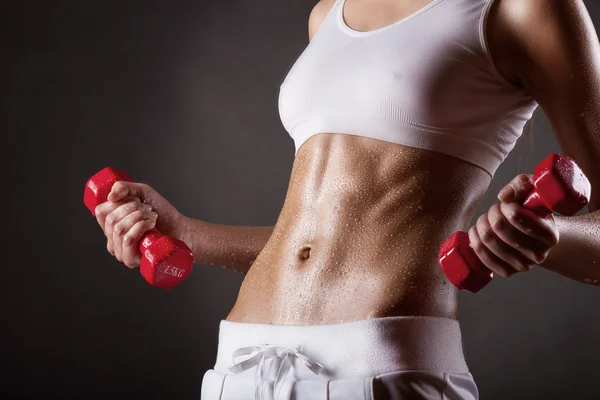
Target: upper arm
317, 15
552, 49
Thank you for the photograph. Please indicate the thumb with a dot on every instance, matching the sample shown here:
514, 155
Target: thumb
122, 189
517, 189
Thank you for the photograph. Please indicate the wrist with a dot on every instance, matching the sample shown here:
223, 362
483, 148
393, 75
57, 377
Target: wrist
185, 231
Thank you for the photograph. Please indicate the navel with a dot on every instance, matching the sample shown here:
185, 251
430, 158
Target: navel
304, 253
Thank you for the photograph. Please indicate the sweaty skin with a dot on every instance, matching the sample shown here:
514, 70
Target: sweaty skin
362, 222
359, 233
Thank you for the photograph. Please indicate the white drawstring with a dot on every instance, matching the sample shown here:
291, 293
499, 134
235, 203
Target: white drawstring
267, 351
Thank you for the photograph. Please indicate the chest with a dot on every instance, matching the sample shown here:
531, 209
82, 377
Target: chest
367, 15
407, 60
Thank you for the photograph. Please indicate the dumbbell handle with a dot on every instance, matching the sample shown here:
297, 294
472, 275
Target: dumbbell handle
101, 193
480, 275
151, 235
559, 186
152, 267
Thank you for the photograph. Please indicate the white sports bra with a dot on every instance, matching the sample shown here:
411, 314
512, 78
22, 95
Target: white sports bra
426, 81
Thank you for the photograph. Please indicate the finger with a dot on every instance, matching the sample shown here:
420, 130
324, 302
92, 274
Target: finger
508, 233
488, 226
116, 216
490, 260
122, 227
102, 210
131, 254
517, 189
122, 189
121, 209
531, 224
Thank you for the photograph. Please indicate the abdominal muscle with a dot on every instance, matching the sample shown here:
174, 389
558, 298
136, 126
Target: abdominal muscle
359, 234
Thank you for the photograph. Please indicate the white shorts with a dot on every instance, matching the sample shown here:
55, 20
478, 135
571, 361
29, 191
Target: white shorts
382, 358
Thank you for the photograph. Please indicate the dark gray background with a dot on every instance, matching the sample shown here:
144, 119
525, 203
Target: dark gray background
183, 96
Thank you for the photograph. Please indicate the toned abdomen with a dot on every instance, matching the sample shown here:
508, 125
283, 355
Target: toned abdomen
359, 233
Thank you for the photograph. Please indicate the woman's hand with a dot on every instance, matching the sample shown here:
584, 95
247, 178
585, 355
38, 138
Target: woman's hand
510, 239
131, 210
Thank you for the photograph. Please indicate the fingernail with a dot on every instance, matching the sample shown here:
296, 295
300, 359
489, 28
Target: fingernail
506, 194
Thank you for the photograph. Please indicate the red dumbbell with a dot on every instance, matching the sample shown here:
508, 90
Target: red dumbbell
165, 261
560, 186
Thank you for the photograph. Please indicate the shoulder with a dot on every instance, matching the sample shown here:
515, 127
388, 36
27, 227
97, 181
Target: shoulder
552, 49
523, 33
521, 20
317, 15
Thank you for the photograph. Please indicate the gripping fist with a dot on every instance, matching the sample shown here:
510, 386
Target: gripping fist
510, 239
131, 210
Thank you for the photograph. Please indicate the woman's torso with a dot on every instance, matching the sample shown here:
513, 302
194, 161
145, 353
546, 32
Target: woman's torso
361, 225
373, 215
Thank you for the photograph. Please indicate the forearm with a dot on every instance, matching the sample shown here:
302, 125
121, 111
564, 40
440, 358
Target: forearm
227, 246
577, 254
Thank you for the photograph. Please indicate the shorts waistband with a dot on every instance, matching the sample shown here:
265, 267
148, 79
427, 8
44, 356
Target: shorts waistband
367, 347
